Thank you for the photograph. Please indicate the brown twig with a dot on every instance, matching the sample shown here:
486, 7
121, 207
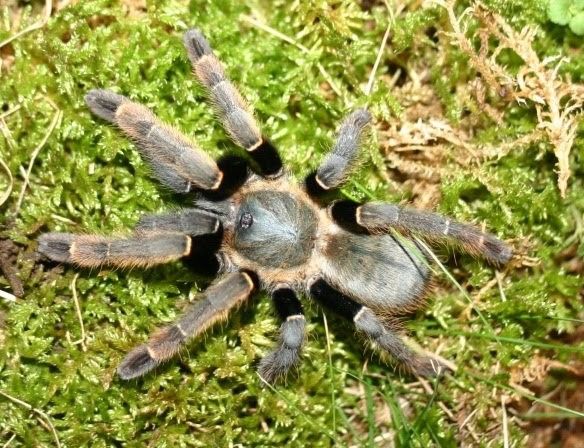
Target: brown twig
78, 312
371, 80
6, 194
9, 441
35, 26
56, 118
43, 415
7, 248
556, 102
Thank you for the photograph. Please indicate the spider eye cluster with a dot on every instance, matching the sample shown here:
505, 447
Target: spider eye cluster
246, 220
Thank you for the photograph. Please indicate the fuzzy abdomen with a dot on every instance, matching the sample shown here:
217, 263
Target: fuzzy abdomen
380, 271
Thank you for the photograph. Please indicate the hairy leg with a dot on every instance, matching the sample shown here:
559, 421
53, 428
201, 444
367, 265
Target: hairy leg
287, 353
175, 160
381, 217
191, 222
158, 239
231, 108
213, 305
93, 251
339, 163
369, 324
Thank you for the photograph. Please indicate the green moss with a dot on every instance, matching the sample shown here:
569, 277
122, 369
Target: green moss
568, 12
559, 11
88, 178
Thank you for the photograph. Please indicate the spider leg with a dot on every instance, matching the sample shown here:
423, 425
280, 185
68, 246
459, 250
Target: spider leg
158, 239
204, 228
92, 251
338, 164
231, 108
188, 222
367, 322
379, 216
287, 353
175, 160
213, 305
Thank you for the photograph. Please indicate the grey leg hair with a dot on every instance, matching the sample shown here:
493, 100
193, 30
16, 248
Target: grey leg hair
231, 107
287, 353
339, 163
92, 251
381, 216
367, 322
191, 222
213, 305
175, 160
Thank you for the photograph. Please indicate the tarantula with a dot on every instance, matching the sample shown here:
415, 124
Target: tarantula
251, 223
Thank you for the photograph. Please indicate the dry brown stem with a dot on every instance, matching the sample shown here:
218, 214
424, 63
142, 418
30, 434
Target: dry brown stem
556, 101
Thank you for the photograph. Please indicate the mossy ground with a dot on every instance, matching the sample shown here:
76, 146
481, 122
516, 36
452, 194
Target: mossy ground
88, 178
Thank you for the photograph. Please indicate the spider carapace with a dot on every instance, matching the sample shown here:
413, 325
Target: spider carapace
270, 233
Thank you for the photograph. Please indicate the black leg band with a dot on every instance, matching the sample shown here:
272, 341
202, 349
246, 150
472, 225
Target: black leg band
334, 300
313, 188
286, 303
203, 257
344, 213
235, 173
286, 354
267, 157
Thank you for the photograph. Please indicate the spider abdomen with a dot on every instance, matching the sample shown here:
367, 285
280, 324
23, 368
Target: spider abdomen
275, 229
379, 271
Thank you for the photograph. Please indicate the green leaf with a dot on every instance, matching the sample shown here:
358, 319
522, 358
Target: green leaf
559, 11
577, 24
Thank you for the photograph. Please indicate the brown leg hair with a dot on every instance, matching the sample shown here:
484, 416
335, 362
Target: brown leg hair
175, 160
342, 159
381, 217
212, 306
368, 323
189, 222
93, 251
287, 353
231, 108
